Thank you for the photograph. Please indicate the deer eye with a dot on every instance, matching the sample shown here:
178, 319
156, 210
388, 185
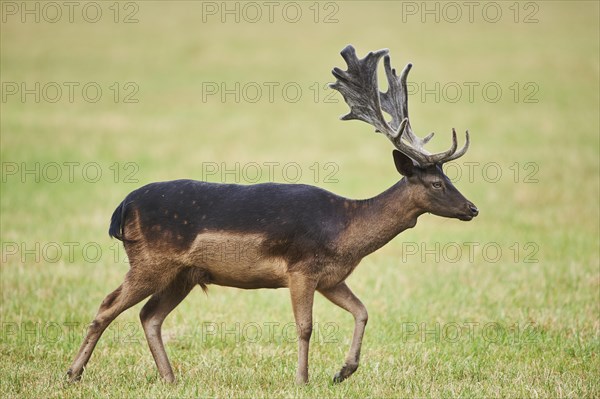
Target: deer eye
437, 184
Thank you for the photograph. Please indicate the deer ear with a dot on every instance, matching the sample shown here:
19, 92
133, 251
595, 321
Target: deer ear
404, 165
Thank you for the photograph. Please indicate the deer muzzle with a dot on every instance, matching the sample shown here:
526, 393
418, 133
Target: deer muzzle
471, 212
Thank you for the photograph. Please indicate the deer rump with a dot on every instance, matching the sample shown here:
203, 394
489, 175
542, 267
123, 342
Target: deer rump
240, 236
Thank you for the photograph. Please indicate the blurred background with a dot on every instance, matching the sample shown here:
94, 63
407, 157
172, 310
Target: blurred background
100, 98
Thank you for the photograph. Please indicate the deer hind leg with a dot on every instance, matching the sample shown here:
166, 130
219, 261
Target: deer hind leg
157, 309
344, 298
302, 290
131, 292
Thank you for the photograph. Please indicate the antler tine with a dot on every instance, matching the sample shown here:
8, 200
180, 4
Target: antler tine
460, 152
395, 100
442, 156
413, 137
416, 153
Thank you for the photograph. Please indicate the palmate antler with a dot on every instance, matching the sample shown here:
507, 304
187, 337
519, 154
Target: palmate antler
358, 85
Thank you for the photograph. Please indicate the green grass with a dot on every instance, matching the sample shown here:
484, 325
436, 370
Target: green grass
449, 315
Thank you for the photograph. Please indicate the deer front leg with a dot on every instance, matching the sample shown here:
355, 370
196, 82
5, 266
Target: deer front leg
302, 290
345, 299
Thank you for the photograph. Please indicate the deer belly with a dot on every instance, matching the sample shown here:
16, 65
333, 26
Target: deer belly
237, 260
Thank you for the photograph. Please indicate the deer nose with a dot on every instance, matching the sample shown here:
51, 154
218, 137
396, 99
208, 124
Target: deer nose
474, 210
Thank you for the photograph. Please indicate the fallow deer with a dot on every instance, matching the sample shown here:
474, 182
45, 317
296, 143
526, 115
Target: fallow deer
296, 236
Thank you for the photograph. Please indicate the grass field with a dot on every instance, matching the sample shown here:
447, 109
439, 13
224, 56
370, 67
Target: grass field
102, 98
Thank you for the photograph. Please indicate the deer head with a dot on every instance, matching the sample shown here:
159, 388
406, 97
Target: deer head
432, 190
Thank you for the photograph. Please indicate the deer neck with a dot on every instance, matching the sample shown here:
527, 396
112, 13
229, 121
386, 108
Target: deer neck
372, 223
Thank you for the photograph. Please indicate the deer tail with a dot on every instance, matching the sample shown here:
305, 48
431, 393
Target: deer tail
117, 221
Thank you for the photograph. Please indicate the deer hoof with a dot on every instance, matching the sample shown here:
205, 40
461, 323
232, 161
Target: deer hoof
73, 377
338, 378
344, 373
